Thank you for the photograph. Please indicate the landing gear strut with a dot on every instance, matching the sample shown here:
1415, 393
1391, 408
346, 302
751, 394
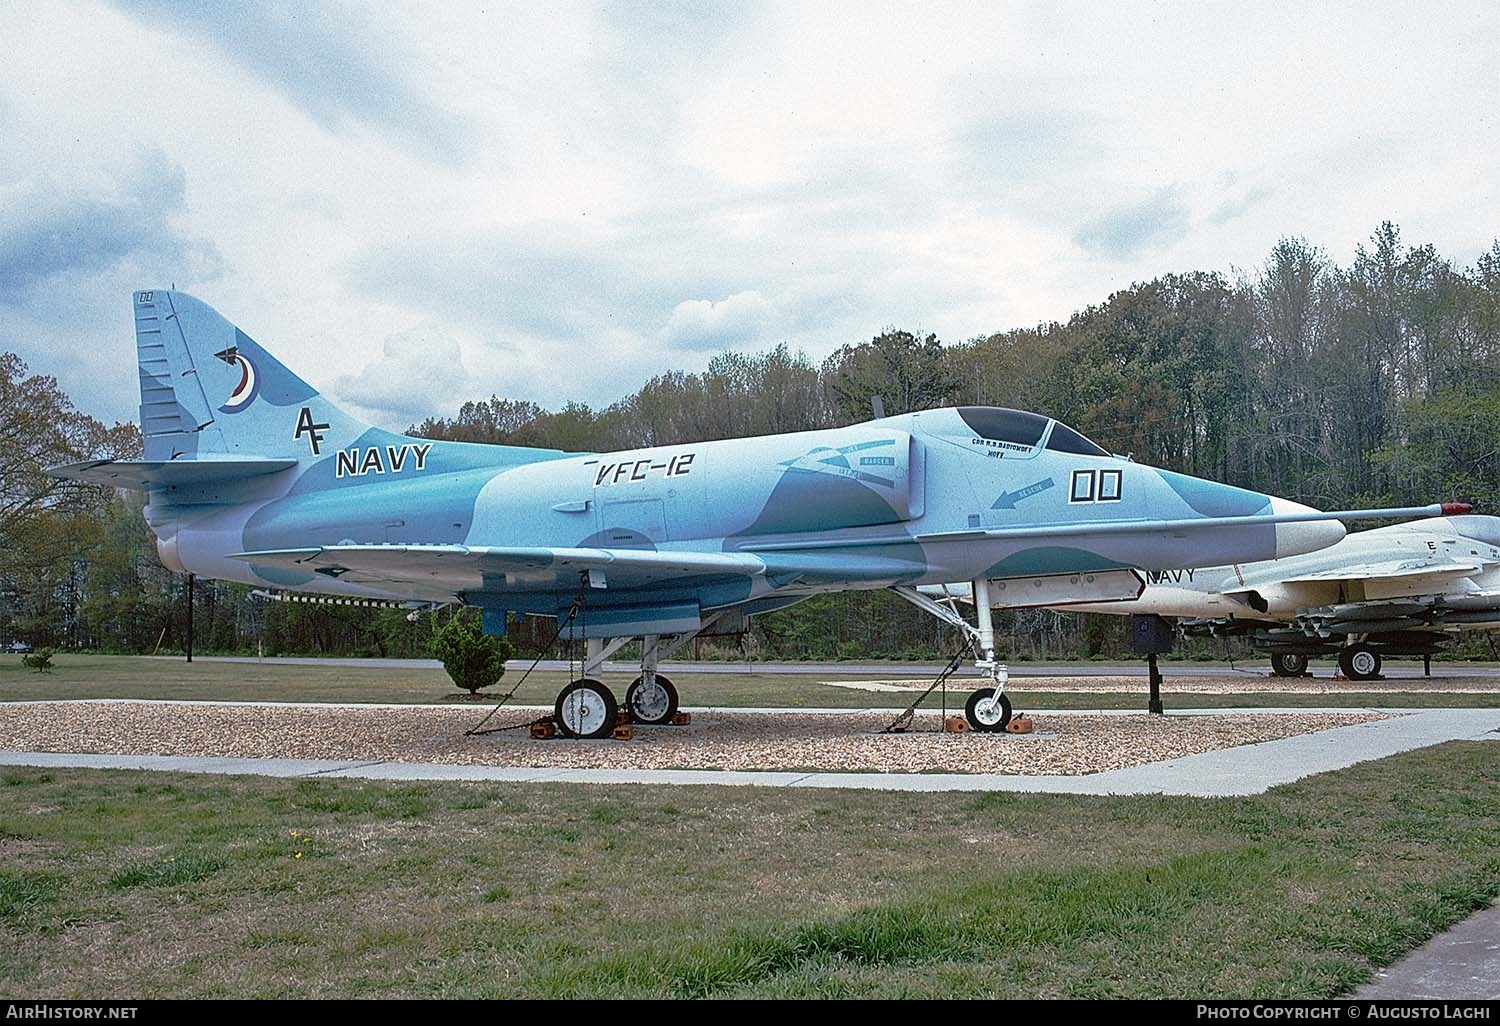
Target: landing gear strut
651, 699
988, 709
586, 708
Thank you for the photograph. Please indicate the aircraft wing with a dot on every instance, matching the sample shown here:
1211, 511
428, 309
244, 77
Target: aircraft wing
453, 569
448, 570
1409, 572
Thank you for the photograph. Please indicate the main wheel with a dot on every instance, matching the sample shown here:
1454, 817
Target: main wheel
1286, 664
1359, 662
652, 706
987, 712
586, 708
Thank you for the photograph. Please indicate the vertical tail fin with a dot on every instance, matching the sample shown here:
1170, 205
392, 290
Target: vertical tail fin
208, 389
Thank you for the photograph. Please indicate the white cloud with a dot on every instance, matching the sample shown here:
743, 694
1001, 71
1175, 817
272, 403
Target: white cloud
577, 197
413, 370
704, 324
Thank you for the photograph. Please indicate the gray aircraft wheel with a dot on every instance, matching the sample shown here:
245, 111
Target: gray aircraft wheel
651, 706
987, 712
1359, 662
587, 709
1286, 664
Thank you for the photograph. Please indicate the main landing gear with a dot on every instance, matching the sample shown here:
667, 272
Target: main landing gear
988, 709
1359, 662
587, 708
1356, 662
1286, 664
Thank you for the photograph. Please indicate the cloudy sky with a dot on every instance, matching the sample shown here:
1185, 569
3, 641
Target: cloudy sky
413, 204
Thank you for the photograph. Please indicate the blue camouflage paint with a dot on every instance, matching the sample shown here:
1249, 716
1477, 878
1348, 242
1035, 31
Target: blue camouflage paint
1046, 561
1210, 499
804, 501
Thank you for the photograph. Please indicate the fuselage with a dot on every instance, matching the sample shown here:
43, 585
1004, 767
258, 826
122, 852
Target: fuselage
900, 500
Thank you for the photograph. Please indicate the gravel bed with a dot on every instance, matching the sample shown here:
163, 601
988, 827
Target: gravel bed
1246, 683
717, 740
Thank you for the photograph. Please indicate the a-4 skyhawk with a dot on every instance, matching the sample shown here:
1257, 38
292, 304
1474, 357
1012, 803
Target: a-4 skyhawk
251, 475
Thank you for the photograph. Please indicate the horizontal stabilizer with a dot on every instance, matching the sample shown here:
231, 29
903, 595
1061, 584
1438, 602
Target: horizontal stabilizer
143, 474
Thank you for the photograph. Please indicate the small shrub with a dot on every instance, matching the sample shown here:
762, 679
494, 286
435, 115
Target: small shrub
40, 660
472, 658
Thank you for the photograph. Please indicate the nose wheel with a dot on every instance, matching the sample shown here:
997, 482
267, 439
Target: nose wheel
586, 709
987, 712
651, 704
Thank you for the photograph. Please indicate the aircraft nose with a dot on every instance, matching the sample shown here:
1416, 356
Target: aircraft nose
1308, 536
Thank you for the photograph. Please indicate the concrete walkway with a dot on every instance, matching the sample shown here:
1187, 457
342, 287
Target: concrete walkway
1246, 770
1462, 964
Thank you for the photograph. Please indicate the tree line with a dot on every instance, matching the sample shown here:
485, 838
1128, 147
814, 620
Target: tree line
1372, 384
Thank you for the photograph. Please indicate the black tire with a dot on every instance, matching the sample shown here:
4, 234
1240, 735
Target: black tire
651, 713
1288, 664
1359, 662
586, 709
987, 723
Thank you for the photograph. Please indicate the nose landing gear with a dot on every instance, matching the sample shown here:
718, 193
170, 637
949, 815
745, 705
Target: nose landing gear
988, 709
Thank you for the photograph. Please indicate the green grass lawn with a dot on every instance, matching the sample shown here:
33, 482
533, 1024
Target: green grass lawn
82, 676
126, 884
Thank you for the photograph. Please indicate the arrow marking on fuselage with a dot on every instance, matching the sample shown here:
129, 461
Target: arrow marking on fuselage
1008, 500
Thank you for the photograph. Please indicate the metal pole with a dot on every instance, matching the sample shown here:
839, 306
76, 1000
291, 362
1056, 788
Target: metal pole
1155, 705
190, 618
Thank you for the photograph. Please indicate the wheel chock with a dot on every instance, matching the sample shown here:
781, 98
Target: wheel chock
681, 719
543, 730
624, 732
1020, 725
955, 725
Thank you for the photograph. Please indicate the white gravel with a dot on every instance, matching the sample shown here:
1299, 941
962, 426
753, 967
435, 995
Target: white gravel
716, 740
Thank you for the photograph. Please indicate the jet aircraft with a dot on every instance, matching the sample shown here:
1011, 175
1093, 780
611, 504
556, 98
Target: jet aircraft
1406, 589
252, 475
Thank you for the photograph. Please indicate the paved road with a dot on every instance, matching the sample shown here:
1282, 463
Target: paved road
929, 670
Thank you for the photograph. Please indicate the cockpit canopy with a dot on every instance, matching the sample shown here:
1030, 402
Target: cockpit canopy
1019, 428
1482, 528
